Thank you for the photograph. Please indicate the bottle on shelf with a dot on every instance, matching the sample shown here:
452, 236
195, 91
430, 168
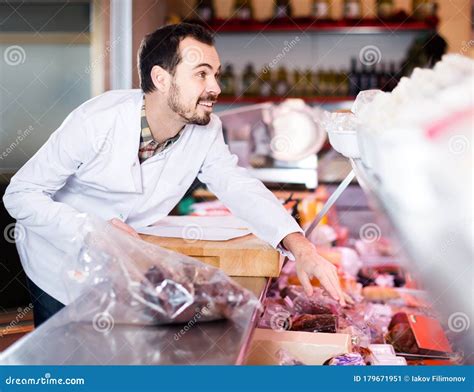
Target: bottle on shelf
354, 78
373, 78
382, 77
282, 9
336, 83
385, 9
308, 83
299, 87
250, 85
331, 83
393, 76
364, 78
173, 18
243, 10
281, 82
320, 82
321, 9
228, 82
265, 83
344, 83
424, 9
205, 10
352, 9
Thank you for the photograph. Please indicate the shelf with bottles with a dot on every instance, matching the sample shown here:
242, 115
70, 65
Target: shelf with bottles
361, 26
389, 19
323, 85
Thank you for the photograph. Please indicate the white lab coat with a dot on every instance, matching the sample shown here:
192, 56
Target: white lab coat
90, 166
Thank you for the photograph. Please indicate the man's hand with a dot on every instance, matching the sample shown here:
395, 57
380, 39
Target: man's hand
123, 226
309, 263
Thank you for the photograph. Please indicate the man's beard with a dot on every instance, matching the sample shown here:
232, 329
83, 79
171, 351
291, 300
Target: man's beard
177, 107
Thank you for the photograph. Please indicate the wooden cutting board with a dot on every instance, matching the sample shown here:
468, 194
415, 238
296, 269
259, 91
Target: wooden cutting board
243, 256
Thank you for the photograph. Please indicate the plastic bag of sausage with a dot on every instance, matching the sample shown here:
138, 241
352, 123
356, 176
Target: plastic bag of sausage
136, 282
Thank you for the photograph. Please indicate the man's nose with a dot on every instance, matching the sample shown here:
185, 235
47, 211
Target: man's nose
214, 87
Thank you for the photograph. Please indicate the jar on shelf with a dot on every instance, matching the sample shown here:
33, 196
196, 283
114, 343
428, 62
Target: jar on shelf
282, 9
385, 8
424, 9
321, 9
243, 10
281, 82
228, 82
352, 9
265, 82
298, 84
249, 82
205, 10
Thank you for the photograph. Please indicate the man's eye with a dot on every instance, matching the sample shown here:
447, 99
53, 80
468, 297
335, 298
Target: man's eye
202, 74
218, 77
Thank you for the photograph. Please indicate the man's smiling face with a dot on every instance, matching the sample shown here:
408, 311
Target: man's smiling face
194, 87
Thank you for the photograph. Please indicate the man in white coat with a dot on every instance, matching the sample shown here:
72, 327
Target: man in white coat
128, 157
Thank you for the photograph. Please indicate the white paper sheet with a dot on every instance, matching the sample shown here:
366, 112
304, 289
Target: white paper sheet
210, 228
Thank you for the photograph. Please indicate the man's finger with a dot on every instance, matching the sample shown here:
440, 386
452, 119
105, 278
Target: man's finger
348, 299
334, 278
329, 287
330, 281
305, 282
123, 226
333, 281
340, 293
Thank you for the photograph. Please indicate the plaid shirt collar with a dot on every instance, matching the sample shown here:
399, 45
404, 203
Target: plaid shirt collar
149, 146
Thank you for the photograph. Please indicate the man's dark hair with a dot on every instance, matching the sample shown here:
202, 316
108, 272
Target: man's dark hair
162, 48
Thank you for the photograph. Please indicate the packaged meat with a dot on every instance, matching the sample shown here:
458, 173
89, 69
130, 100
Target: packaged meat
142, 283
315, 323
381, 247
318, 303
178, 294
402, 338
392, 275
375, 293
417, 334
276, 315
314, 305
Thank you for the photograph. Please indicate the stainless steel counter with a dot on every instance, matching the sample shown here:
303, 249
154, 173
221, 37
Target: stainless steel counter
82, 343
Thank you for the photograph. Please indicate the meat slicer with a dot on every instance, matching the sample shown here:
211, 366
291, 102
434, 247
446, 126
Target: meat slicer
276, 143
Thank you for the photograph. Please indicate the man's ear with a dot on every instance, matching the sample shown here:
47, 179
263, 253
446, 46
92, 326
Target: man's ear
160, 78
